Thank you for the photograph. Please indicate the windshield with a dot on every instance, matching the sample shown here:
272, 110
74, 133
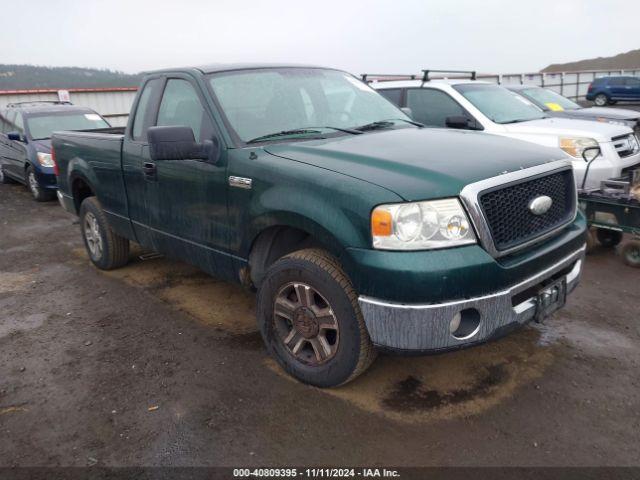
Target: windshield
42, 126
259, 103
549, 100
499, 104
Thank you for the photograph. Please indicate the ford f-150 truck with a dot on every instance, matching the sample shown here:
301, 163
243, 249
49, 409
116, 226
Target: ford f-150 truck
359, 228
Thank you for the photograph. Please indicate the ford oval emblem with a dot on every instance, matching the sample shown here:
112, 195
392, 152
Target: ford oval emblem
540, 205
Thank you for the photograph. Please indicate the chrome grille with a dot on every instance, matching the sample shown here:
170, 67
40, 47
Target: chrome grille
626, 145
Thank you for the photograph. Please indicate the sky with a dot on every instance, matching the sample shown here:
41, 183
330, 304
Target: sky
391, 36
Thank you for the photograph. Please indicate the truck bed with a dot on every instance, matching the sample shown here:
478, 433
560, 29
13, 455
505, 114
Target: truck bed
95, 158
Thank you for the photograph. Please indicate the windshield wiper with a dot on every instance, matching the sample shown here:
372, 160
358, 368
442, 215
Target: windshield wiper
303, 131
519, 120
284, 133
381, 124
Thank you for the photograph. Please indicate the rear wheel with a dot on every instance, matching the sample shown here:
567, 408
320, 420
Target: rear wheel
106, 249
631, 253
601, 100
310, 320
39, 194
608, 238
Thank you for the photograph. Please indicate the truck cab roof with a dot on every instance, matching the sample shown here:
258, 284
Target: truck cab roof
229, 67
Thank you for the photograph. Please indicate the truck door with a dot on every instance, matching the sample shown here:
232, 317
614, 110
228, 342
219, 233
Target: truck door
188, 198
135, 153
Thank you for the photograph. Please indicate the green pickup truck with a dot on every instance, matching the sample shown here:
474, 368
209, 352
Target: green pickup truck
360, 229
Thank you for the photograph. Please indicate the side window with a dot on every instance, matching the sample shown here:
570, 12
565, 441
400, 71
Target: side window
432, 107
394, 95
616, 82
142, 111
4, 124
10, 119
181, 106
18, 123
633, 82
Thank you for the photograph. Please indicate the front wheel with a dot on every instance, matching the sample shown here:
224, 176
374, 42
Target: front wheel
106, 249
310, 320
3, 177
39, 194
601, 100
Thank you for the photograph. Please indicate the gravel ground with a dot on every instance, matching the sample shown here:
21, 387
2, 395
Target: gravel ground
158, 364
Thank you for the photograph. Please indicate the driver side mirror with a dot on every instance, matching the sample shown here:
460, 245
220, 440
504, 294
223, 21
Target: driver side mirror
15, 136
457, 121
178, 143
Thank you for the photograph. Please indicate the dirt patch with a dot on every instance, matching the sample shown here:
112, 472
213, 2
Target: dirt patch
211, 301
451, 385
14, 282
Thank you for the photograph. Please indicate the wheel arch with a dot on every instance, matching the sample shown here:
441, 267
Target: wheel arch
277, 238
80, 188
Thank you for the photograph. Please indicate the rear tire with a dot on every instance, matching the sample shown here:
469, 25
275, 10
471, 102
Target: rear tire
310, 320
601, 100
631, 253
106, 249
608, 238
39, 194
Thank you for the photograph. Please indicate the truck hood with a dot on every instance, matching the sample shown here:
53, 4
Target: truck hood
602, 132
419, 164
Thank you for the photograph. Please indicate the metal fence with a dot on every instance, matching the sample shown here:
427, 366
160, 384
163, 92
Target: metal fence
572, 85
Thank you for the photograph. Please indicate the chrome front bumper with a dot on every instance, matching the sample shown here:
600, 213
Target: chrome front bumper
426, 327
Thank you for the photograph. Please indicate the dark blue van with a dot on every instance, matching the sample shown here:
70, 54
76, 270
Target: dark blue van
609, 90
25, 141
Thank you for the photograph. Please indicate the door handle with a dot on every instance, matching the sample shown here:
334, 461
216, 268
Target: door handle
150, 170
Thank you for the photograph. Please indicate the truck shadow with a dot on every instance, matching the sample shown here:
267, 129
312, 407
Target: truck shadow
405, 389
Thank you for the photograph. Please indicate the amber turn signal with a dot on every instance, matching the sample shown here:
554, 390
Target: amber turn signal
381, 223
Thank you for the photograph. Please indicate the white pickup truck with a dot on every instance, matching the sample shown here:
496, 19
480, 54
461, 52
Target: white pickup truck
477, 105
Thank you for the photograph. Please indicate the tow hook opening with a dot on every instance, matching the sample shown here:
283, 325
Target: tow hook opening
465, 324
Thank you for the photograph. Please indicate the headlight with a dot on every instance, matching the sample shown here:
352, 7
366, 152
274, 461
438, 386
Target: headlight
421, 225
45, 159
574, 146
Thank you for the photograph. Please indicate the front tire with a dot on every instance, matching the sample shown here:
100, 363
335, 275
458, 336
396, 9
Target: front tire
601, 100
4, 180
310, 320
39, 194
106, 249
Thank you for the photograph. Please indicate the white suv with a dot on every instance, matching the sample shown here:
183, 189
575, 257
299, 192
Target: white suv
483, 106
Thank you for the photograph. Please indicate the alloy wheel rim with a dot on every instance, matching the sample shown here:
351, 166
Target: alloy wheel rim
600, 101
306, 324
92, 235
33, 183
